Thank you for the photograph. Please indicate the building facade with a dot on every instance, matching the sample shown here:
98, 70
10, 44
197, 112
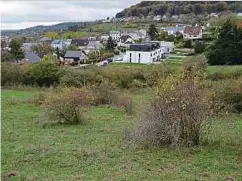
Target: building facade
144, 53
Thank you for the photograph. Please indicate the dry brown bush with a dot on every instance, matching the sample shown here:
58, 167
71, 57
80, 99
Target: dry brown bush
176, 118
105, 94
66, 106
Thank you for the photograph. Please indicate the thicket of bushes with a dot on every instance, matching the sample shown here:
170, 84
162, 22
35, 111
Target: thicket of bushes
68, 105
49, 74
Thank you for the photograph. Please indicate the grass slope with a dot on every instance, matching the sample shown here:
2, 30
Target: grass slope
97, 151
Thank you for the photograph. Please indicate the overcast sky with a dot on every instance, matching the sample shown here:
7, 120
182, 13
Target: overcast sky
24, 14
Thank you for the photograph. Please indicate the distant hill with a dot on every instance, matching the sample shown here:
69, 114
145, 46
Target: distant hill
146, 8
56, 27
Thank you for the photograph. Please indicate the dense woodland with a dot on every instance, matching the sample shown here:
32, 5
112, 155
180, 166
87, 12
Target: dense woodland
147, 8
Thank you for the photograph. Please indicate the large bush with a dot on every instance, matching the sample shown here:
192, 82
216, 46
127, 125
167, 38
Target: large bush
228, 94
44, 73
80, 78
176, 118
11, 74
66, 106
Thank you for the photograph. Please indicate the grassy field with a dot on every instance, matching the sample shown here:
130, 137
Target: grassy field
98, 151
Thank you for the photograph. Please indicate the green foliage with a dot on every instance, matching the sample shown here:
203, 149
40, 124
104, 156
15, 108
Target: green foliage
110, 44
228, 94
44, 73
52, 35
11, 74
219, 53
16, 50
93, 57
40, 50
143, 9
199, 47
6, 56
107, 55
153, 32
76, 34
79, 78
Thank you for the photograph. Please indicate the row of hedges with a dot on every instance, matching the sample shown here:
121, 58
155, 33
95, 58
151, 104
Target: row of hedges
49, 74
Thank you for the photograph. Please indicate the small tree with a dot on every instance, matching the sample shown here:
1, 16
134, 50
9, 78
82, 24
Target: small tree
16, 50
199, 47
93, 56
152, 32
110, 44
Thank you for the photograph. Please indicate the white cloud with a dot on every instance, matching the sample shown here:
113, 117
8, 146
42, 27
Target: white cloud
23, 14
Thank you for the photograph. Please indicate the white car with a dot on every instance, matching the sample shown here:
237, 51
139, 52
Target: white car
117, 59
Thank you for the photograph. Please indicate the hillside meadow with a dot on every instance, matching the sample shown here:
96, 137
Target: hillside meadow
99, 150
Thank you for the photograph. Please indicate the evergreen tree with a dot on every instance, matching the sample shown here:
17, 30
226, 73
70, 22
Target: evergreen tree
227, 48
16, 50
110, 44
153, 32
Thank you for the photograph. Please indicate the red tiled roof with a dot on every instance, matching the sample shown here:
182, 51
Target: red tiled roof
192, 30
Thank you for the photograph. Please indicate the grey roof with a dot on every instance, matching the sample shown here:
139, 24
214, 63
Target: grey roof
45, 39
32, 57
27, 46
73, 54
125, 37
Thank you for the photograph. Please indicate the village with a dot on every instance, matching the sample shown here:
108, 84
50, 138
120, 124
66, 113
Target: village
127, 46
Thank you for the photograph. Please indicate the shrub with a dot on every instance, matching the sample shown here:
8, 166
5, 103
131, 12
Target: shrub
124, 102
107, 55
66, 106
44, 73
11, 74
80, 78
154, 73
228, 94
103, 93
176, 118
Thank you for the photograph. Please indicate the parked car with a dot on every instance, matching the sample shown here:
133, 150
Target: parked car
110, 60
118, 59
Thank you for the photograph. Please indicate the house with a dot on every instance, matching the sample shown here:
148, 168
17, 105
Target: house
157, 18
145, 53
91, 38
27, 46
104, 37
213, 15
115, 35
74, 57
93, 45
80, 43
137, 35
171, 30
30, 57
125, 41
175, 17
192, 33
61, 44
168, 47
43, 39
